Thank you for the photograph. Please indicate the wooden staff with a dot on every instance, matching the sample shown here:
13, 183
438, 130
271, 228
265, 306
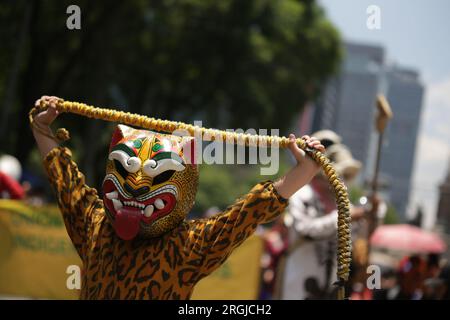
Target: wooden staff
383, 116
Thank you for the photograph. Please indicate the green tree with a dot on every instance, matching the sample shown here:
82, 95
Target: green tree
231, 63
391, 216
221, 185
355, 192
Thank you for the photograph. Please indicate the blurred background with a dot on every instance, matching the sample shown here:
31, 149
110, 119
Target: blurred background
300, 66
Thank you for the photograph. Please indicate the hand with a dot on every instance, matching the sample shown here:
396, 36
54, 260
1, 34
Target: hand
300, 155
357, 213
303, 172
46, 118
41, 125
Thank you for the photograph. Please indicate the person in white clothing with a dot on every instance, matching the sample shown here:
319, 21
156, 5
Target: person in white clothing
309, 266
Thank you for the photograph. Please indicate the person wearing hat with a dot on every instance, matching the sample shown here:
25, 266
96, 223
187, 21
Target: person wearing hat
308, 268
10, 171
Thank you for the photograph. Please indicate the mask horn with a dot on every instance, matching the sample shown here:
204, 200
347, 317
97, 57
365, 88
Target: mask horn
119, 133
189, 150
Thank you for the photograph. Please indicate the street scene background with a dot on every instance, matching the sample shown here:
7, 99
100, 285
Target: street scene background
325, 67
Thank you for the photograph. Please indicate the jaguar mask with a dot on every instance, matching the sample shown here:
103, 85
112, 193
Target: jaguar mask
150, 183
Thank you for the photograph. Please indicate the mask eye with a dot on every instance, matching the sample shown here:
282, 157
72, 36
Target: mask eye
129, 163
153, 167
163, 177
120, 169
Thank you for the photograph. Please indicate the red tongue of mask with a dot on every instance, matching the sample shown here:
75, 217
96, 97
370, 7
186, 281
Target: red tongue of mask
126, 223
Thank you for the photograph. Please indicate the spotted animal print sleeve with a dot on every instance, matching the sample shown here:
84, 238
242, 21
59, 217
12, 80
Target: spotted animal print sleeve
212, 240
75, 199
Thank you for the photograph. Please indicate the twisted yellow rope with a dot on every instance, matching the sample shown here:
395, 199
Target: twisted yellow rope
343, 204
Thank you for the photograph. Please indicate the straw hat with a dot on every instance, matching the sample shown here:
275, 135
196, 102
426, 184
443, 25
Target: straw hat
327, 137
10, 166
343, 161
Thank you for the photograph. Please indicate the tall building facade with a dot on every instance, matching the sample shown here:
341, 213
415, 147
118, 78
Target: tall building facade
347, 106
348, 102
405, 94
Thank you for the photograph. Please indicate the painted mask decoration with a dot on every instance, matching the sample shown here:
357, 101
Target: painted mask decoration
150, 183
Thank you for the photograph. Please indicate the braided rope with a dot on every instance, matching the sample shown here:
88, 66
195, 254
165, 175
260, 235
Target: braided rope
340, 191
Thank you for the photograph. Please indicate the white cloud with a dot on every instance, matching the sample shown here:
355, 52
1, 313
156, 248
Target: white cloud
439, 93
432, 150
443, 129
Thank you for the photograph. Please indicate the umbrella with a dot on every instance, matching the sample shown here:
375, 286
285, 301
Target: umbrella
406, 237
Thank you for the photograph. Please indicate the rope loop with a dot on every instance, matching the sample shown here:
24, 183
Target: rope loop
343, 204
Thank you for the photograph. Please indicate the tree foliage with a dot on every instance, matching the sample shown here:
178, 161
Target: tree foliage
230, 63
221, 185
392, 216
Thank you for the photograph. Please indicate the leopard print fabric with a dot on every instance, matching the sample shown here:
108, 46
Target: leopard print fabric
166, 267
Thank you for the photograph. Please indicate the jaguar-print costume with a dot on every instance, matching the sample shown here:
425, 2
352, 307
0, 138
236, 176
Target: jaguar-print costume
163, 267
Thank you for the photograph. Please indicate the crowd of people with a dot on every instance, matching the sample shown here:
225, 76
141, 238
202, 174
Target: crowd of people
299, 259
417, 277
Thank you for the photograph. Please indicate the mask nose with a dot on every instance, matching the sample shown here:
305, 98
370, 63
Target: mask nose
136, 192
137, 184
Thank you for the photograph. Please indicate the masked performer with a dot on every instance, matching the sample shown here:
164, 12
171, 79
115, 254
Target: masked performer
134, 242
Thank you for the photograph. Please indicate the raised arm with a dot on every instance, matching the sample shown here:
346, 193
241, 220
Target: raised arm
211, 241
76, 200
41, 126
303, 172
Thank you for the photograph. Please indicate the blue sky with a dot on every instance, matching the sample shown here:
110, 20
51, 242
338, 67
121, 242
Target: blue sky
416, 34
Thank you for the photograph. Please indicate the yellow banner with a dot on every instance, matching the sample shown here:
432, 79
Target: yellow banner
237, 278
35, 252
